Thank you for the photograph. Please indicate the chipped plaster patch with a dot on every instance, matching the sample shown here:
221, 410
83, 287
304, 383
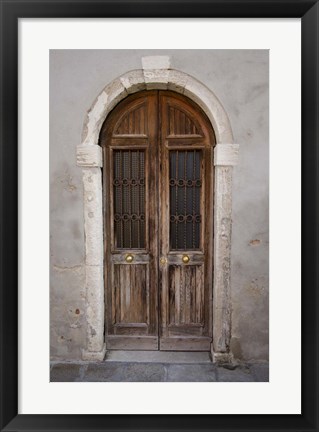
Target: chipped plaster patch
255, 242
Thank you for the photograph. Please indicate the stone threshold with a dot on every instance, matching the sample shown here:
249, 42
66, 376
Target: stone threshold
157, 357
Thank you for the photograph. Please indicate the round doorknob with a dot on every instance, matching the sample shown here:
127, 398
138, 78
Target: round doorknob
185, 259
163, 260
129, 258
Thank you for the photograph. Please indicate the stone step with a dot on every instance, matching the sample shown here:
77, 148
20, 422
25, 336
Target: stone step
158, 357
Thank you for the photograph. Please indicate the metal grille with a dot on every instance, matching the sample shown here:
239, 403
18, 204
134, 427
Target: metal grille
129, 199
185, 188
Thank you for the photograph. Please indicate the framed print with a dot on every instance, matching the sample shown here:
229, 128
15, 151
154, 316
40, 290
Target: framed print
158, 215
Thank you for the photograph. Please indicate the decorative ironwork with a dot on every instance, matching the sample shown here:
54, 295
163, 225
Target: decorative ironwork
128, 182
185, 190
126, 217
129, 199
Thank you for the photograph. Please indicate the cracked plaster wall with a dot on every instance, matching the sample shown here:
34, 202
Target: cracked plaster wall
239, 78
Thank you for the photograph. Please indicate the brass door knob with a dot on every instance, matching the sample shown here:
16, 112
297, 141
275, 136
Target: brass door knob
185, 259
129, 258
163, 260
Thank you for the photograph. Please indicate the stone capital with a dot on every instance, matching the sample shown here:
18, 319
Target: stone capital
88, 156
226, 154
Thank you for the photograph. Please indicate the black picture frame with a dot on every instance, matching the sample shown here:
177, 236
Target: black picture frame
11, 11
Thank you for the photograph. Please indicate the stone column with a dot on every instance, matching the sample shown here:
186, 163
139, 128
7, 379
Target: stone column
89, 157
225, 157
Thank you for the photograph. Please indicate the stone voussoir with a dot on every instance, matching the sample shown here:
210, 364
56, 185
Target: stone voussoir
133, 81
156, 79
177, 80
111, 95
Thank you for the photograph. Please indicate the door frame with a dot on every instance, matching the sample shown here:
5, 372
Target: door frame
156, 74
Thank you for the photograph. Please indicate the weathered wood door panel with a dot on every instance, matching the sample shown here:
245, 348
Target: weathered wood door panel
158, 217
129, 140
186, 226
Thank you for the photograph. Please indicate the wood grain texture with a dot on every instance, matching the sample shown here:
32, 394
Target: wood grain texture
186, 294
132, 122
130, 294
181, 122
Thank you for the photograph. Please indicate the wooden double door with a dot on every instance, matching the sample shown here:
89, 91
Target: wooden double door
158, 198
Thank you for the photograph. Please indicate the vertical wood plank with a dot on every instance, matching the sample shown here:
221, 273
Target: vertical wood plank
182, 130
188, 126
198, 296
188, 288
136, 122
177, 280
171, 290
121, 294
171, 121
115, 294
125, 292
134, 299
142, 129
194, 129
147, 287
141, 278
138, 294
177, 122
192, 285
127, 124
182, 294
131, 123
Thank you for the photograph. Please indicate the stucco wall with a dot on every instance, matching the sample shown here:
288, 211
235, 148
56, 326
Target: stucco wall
239, 78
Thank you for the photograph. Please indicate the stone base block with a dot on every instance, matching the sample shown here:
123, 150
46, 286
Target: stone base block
94, 355
222, 358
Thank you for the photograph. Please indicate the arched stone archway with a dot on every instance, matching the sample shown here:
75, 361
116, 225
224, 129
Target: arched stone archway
156, 74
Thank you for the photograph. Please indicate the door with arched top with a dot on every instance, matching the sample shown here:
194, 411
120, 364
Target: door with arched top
158, 220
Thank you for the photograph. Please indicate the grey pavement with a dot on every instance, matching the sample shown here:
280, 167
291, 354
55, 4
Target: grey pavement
139, 371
